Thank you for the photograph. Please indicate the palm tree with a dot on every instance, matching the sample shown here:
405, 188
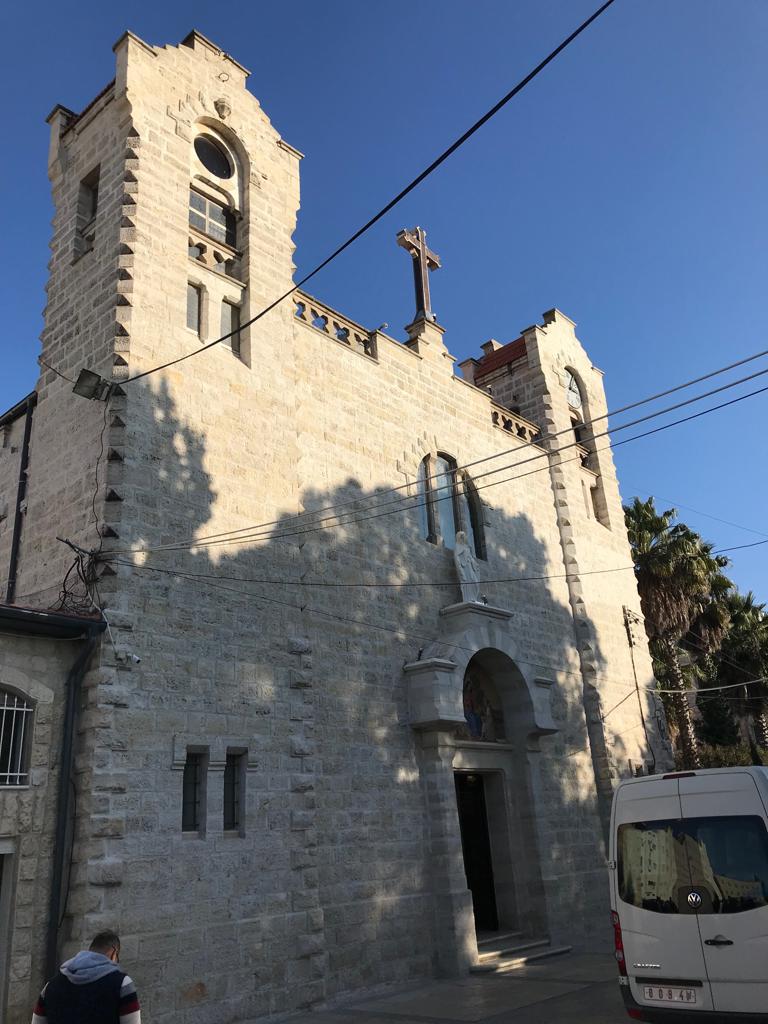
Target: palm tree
744, 655
681, 586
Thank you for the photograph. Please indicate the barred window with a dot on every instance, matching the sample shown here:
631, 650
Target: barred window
15, 729
233, 791
193, 792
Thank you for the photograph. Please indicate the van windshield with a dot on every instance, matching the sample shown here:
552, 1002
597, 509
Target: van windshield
724, 859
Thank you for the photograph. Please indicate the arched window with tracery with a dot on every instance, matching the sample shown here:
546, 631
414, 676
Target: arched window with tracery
15, 734
214, 203
216, 239
448, 502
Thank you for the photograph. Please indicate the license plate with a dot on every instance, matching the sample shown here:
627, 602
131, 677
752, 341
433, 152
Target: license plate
669, 994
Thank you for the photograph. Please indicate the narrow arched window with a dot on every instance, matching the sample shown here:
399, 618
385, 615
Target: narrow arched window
424, 503
472, 514
15, 730
445, 498
448, 502
578, 414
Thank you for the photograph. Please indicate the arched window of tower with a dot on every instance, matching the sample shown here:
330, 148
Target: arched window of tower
217, 233
580, 417
574, 391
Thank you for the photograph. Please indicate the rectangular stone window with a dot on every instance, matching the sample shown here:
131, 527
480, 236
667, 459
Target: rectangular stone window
212, 219
234, 790
230, 321
193, 791
194, 307
87, 204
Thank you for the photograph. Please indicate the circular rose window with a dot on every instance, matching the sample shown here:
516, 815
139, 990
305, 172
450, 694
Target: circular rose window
213, 157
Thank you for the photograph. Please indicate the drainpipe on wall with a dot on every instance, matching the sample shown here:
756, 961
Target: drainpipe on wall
64, 796
21, 494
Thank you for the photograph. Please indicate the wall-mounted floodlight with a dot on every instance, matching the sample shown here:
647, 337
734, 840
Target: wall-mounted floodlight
92, 385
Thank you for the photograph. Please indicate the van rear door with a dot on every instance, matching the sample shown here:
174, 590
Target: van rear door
728, 853
652, 883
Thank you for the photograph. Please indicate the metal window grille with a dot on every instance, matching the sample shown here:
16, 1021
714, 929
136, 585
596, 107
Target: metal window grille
15, 724
192, 793
232, 792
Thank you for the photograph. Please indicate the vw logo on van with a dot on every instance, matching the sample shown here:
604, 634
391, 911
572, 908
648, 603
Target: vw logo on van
694, 899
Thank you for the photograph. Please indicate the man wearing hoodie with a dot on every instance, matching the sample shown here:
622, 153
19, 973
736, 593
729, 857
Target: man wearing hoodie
90, 989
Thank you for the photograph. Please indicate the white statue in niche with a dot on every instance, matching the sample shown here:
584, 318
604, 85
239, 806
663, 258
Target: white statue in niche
466, 569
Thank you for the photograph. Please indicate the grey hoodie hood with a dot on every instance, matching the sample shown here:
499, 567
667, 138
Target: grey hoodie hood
86, 967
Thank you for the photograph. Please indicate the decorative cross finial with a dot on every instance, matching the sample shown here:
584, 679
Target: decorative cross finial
424, 260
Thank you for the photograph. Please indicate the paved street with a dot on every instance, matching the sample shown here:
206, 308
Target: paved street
577, 989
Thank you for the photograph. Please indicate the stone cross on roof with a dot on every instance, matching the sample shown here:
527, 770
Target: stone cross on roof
424, 260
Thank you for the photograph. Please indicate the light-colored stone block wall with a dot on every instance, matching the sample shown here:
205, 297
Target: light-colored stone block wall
82, 316
36, 669
11, 442
264, 644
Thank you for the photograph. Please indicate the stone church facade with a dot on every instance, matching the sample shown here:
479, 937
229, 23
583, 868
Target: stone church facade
286, 743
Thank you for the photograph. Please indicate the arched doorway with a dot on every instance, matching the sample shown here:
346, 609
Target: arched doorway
494, 797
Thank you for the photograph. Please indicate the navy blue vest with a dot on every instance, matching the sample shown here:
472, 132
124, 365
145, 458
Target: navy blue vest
96, 1003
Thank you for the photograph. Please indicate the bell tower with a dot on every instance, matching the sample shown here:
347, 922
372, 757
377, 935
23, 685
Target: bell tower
546, 375
175, 205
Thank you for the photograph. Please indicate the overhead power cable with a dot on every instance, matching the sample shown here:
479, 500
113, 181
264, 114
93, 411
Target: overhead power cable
739, 547
335, 522
388, 629
380, 627
711, 689
261, 531
381, 494
54, 370
631, 423
476, 462
469, 465
380, 585
698, 512
371, 586
716, 654
110, 556
397, 199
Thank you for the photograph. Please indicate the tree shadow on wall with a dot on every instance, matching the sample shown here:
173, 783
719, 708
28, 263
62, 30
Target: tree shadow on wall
329, 888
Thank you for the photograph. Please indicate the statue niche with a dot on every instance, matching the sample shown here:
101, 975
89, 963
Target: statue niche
482, 709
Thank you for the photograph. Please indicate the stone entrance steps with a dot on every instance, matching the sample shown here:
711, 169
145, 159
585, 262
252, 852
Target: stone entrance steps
507, 951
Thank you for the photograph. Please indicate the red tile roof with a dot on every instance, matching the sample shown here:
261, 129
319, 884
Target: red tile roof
506, 354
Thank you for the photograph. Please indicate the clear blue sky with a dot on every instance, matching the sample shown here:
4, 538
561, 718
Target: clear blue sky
626, 185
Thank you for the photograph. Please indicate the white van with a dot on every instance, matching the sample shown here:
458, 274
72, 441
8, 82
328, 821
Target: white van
689, 895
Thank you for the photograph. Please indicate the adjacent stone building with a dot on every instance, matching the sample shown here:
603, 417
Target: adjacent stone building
301, 764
